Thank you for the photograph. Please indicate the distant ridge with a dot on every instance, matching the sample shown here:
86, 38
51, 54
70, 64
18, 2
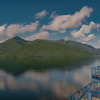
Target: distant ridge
80, 45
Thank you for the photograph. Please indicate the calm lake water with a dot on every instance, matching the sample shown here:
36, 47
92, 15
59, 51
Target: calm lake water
44, 78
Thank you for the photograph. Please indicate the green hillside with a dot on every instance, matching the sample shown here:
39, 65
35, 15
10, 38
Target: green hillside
80, 46
11, 45
42, 48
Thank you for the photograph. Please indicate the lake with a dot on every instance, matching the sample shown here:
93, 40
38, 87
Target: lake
44, 78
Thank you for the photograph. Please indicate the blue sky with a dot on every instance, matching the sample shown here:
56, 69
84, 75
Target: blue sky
71, 19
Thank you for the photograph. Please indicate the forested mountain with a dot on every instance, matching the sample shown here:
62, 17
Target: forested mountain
38, 48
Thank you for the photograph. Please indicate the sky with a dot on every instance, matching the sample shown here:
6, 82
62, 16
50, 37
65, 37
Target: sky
77, 20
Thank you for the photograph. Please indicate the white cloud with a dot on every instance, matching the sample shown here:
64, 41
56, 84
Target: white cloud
68, 21
41, 14
41, 35
66, 38
2, 28
62, 31
89, 37
53, 15
98, 41
11, 30
85, 29
98, 25
20, 28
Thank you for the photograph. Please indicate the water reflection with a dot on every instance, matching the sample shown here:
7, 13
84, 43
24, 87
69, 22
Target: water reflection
50, 84
46, 63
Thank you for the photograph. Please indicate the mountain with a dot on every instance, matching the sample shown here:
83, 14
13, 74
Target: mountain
17, 46
41, 48
80, 46
11, 45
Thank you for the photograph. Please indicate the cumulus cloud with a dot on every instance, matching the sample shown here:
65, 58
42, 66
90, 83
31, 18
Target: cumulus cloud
62, 31
2, 30
42, 35
11, 30
85, 29
89, 37
53, 15
20, 28
41, 14
98, 41
68, 21
66, 38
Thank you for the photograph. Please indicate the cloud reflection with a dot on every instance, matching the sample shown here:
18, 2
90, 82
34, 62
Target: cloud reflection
60, 83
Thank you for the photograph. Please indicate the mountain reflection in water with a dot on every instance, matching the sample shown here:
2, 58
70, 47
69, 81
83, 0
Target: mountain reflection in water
47, 84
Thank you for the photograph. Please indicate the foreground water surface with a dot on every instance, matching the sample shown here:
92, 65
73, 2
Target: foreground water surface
44, 78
